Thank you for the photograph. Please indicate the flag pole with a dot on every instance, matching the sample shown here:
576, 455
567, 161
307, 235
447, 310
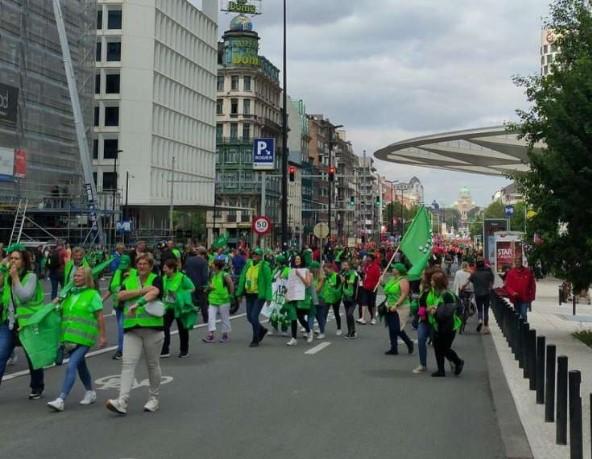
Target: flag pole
388, 266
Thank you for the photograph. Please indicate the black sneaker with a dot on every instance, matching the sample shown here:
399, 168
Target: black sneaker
262, 333
410, 347
35, 394
459, 368
182, 355
165, 355
254, 344
391, 352
117, 355
479, 327
353, 335
438, 374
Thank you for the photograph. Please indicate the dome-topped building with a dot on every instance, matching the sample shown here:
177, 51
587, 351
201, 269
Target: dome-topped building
241, 23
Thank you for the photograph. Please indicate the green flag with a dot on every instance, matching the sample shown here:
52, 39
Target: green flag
220, 242
417, 243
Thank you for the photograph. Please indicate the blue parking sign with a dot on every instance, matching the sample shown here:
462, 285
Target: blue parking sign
509, 211
264, 154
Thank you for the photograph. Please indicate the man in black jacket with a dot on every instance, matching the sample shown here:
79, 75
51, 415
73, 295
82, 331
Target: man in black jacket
196, 268
482, 280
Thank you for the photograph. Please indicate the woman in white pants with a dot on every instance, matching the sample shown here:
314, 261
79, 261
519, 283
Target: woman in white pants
220, 291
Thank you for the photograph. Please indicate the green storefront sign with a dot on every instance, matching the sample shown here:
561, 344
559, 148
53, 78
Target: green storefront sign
241, 6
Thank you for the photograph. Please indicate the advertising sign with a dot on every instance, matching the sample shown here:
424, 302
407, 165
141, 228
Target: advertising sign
8, 103
508, 249
490, 227
242, 6
20, 163
264, 154
6, 162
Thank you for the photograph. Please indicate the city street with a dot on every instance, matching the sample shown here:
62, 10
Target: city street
330, 399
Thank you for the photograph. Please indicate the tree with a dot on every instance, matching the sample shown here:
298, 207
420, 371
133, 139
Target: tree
560, 176
498, 210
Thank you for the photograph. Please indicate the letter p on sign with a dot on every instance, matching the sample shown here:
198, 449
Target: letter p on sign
261, 147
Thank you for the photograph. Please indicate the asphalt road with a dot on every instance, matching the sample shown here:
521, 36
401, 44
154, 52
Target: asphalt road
346, 400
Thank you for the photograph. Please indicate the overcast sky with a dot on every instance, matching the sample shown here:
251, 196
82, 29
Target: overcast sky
393, 69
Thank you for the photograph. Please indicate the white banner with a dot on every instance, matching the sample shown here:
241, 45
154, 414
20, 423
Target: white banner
6, 161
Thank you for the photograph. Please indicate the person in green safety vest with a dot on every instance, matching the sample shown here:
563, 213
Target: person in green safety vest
349, 281
299, 299
331, 293
319, 308
123, 270
143, 325
177, 299
445, 325
220, 292
78, 260
82, 324
255, 284
280, 275
397, 292
424, 328
22, 296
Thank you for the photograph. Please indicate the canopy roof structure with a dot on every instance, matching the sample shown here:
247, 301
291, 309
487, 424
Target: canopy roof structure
486, 151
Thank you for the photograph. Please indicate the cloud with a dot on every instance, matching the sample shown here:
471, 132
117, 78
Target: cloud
394, 69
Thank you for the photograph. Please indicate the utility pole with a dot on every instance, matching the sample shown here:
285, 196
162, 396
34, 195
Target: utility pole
284, 207
171, 206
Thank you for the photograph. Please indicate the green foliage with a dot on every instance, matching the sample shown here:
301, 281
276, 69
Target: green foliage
498, 210
585, 336
560, 178
395, 210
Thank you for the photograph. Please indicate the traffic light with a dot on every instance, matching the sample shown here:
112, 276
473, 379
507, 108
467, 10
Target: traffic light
352, 201
332, 174
291, 172
377, 201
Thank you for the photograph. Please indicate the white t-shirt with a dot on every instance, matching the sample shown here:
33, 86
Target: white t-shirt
461, 278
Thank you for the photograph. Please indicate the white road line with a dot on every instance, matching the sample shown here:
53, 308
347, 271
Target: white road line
317, 348
18, 374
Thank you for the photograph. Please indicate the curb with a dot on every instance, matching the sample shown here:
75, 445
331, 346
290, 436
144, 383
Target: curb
516, 445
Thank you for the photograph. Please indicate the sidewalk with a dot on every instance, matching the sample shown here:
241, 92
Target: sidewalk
557, 324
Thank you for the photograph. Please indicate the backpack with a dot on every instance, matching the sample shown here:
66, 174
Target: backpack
445, 314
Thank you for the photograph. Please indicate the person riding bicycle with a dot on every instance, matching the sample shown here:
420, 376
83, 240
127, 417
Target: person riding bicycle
463, 288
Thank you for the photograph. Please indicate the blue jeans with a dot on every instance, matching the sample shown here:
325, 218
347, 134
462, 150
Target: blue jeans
77, 363
254, 306
55, 281
423, 334
8, 341
394, 326
522, 309
321, 311
119, 317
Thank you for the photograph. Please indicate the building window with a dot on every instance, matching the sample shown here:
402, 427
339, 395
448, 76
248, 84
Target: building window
219, 131
110, 147
112, 83
95, 152
114, 19
234, 130
220, 86
234, 106
99, 56
111, 116
545, 49
219, 107
247, 83
246, 107
97, 116
99, 19
95, 178
113, 51
246, 131
98, 83
234, 83
108, 181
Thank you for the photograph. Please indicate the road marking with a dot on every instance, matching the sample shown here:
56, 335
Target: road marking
317, 348
18, 374
113, 382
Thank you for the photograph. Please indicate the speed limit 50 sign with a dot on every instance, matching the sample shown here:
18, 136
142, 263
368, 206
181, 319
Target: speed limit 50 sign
262, 225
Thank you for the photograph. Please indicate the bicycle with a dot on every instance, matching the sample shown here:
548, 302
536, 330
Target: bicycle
468, 309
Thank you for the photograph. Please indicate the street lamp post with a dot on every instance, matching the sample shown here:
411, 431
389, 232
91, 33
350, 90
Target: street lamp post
284, 207
113, 227
332, 130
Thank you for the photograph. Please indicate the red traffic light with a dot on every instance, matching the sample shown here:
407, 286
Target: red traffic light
291, 172
331, 173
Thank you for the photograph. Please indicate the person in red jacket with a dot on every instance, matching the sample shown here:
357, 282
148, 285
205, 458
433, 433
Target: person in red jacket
367, 293
520, 285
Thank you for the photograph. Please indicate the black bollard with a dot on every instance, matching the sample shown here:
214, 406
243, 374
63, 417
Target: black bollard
575, 415
520, 342
525, 330
516, 336
591, 420
550, 384
561, 437
540, 370
532, 359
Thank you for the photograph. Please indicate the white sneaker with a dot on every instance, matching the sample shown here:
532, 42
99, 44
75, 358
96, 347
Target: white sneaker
361, 321
321, 336
151, 405
302, 330
310, 337
116, 406
57, 404
339, 332
90, 397
420, 369
292, 342
271, 332
373, 322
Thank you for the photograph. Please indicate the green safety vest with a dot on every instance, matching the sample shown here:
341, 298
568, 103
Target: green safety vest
171, 286
331, 291
351, 278
117, 282
219, 293
24, 311
141, 318
70, 266
79, 325
432, 301
176, 253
